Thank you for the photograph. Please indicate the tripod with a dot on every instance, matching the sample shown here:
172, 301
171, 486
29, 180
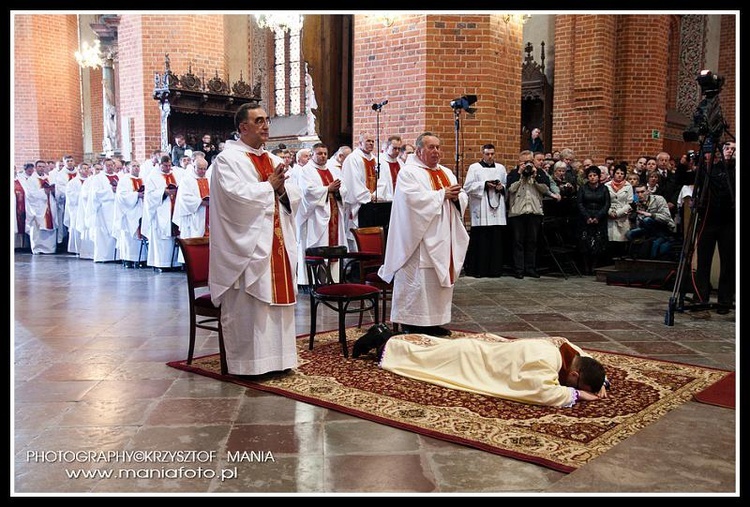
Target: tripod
698, 207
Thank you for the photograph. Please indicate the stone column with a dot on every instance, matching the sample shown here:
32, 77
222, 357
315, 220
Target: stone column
110, 143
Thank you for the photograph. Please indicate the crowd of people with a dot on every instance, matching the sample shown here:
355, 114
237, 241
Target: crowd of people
262, 209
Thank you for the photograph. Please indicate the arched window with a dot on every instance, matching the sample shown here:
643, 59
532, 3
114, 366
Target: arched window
288, 77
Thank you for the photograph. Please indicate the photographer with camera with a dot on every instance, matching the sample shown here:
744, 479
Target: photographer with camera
485, 185
650, 221
526, 188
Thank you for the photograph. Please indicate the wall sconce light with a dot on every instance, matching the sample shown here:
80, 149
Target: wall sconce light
90, 56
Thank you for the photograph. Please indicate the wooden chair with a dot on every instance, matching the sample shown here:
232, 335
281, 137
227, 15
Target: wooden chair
336, 296
203, 313
372, 240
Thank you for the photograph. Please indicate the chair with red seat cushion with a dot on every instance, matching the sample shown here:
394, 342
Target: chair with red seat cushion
337, 296
372, 240
196, 253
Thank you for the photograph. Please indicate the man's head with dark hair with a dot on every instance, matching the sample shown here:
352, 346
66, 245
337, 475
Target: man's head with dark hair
241, 114
591, 374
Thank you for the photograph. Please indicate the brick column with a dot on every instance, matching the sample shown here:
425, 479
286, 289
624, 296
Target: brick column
610, 91
46, 88
422, 62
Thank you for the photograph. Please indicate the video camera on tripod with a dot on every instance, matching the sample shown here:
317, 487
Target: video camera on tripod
707, 128
707, 119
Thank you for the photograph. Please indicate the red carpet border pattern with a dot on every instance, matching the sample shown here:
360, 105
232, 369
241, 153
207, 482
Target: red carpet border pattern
563, 439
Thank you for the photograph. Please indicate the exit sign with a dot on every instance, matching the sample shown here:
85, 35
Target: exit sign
655, 134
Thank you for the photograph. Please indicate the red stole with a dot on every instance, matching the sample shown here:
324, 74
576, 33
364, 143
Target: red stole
281, 272
20, 206
137, 183
395, 168
203, 189
48, 222
71, 176
371, 178
333, 223
169, 179
438, 180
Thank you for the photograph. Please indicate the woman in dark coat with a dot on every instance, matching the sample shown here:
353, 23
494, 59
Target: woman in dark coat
593, 206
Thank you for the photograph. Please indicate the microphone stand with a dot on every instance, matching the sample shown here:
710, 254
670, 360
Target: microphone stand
457, 113
377, 107
377, 148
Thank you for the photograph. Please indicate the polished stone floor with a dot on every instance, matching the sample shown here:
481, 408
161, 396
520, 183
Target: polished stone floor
90, 343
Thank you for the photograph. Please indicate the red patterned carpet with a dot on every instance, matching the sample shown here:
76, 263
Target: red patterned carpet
721, 394
563, 439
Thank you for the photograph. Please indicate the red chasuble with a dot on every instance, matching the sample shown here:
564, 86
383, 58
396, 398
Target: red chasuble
281, 272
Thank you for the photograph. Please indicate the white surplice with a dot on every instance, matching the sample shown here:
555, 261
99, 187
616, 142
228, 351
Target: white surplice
486, 205
157, 219
101, 217
40, 207
128, 215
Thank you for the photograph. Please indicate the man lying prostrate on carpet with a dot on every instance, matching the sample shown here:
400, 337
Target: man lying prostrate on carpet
542, 371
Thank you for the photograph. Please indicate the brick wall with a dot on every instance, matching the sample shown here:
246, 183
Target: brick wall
421, 63
610, 91
143, 42
46, 91
727, 68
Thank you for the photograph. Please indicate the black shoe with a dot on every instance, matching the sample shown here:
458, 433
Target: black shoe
438, 331
412, 329
722, 310
533, 274
518, 275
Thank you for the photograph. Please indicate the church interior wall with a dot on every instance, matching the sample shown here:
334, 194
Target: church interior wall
610, 95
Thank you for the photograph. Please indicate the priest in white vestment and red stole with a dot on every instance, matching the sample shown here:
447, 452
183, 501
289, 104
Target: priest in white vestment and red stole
101, 213
192, 203
158, 209
359, 175
389, 168
41, 210
321, 209
128, 217
254, 250
427, 241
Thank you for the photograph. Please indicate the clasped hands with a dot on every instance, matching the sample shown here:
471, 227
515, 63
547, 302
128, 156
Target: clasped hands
277, 179
452, 192
496, 184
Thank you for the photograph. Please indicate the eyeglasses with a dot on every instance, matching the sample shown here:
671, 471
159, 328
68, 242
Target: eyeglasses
260, 121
